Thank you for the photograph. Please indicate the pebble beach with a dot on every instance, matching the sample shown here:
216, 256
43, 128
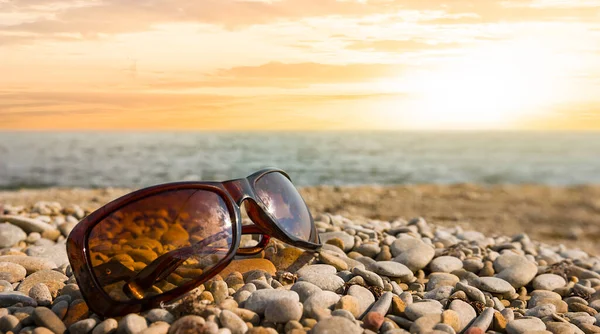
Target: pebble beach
376, 273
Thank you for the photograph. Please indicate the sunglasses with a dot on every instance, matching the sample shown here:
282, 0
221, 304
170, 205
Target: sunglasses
153, 245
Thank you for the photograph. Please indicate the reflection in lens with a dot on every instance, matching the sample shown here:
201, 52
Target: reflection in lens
285, 204
159, 243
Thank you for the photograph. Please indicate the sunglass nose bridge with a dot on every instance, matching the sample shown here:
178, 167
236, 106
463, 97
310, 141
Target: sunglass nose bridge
239, 189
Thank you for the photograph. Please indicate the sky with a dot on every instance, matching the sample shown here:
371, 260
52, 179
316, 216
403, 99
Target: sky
299, 64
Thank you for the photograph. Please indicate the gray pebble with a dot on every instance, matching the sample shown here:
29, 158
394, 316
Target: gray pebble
548, 282
370, 277
421, 308
107, 326
61, 308
159, 314
220, 291
445, 264
382, 305
327, 282
412, 252
392, 269
319, 302
159, 327
472, 292
12, 297
368, 249
541, 311
336, 325
259, 300
305, 289
347, 239
10, 235
465, 312
365, 298
82, 326
131, 324
484, 320
494, 285
31, 264
285, 309
523, 325
9, 323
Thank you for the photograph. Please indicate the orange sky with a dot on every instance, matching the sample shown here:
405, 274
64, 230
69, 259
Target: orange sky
300, 64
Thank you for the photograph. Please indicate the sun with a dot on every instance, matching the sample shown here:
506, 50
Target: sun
491, 87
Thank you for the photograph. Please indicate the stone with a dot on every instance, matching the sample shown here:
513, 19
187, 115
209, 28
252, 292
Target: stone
324, 281
131, 324
350, 304
373, 321
336, 325
484, 320
392, 269
286, 309
13, 297
51, 278
10, 235
332, 260
425, 323
365, 298
60, 308
56, 253
382, 305
12, 272
9, 323
445, 264
285, 257
27, 224
541, 311
160, 327
41, 294
305, 289
499, 322
525, 324
370, 277
82, 326
412, 252
159, 314
347, 240
420, 308
494, 285
441, 279
321, 269
515, 269
219, 291
245, 265
322, 301
30, 263
548, 282
233, 322
465, 312
451, 318
78, 310
258, 301
44, 317
188, 324
472, 292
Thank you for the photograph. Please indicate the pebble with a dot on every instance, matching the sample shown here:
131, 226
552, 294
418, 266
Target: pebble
30, 263
159, 314
419, 309
233, 322
466, 313
368, 249
259, 300
332, 260
365, 298
286, 309
319, 302
336, 325
548, 282
60, 308
350, 304
82, 326
412, 252
305, 289
46, 318
41, 294
494, 285
160, 327
515, 269
370, 277
27, 224
188, 324
13, 297
445, 264
382, 305
541, 311
51, 278
12, 272
392, 269
524, 325
484, 320
347, 240
10, 235
131, 324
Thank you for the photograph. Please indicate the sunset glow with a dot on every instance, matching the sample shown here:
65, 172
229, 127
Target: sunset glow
300, 64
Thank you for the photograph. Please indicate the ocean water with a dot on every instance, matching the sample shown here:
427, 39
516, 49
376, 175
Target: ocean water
136, 159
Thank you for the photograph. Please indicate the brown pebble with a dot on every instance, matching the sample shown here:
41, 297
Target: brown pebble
398, 306
337, 242
206, 295
78, 310
589, 329
474, 330
499, 323
579, 307
450, 317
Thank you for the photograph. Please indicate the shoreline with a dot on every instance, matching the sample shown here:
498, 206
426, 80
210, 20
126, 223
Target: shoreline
568, 215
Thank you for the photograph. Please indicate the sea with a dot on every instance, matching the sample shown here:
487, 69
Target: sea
137, 159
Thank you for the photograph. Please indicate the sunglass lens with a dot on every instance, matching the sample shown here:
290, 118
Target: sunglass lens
159, 243
284, 203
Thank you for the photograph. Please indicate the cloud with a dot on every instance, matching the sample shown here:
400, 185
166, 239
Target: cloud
400, 45
285, 75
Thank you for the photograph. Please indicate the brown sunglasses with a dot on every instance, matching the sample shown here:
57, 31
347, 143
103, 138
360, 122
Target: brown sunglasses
155, 244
